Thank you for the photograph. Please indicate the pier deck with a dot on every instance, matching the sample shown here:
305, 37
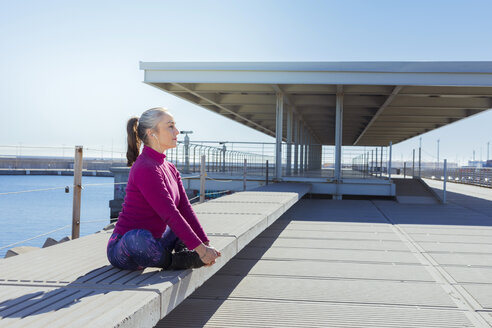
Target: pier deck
357, 263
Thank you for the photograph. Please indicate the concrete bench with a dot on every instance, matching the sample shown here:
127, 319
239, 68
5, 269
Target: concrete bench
73, 284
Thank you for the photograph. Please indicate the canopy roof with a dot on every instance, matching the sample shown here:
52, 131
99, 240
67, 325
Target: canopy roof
383, 101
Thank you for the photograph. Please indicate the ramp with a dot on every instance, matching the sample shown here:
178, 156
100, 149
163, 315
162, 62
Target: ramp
414, 191
73, 284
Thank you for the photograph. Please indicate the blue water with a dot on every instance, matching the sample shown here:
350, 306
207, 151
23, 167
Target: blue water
26, 215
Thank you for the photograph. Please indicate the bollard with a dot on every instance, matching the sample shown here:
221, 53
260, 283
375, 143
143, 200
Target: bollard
404, 170
224, 149
420, 161
413, 164
376, 158
372, 161
381, 171
266, 178
187, 152
77, 191
203, 174
444, 183
389, 162
244, 175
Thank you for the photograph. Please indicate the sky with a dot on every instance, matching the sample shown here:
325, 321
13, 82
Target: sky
69, 70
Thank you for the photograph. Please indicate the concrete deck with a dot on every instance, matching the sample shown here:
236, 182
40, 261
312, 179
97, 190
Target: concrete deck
357, 263
72, 284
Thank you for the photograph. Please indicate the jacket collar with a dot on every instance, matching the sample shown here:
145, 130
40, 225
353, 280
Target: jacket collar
152, 153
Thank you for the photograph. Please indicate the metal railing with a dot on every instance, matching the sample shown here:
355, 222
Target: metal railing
186, 157
77, 188
479, 176
370, 162
227, 158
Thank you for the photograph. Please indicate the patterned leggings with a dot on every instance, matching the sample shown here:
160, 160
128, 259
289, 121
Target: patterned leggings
138, 249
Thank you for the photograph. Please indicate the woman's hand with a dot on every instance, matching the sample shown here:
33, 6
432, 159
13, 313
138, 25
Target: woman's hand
208, 254
217, 253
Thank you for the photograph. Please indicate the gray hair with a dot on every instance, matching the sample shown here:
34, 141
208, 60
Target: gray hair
137, 130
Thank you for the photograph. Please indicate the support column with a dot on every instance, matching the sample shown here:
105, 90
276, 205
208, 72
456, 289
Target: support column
301, 146
305, 150
289, 140
381, 172
316, 158
371, 166
278, 135
309, 153
296, 145
338, 141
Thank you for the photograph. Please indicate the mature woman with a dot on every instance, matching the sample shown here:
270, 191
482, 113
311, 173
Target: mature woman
157, 226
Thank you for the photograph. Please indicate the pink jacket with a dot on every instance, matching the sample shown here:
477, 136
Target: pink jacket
155, 198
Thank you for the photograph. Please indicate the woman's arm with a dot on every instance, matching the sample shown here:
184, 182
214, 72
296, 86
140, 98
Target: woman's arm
187, 210
151, 183
208, 254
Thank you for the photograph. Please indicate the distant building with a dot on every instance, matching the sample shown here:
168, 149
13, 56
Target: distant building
479, 164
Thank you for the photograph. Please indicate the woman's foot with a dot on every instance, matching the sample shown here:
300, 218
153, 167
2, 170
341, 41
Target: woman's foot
185, 259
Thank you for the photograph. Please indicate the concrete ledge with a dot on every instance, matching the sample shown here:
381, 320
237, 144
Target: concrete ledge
73, 284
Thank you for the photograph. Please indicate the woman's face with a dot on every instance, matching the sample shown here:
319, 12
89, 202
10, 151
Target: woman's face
166, 133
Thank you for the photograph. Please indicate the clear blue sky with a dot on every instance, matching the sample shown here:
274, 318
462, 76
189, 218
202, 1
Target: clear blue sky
69, 70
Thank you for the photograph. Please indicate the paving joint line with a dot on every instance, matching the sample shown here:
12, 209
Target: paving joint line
349, 239
291, 259
350, 249
459, 295
324, 278
355, 303
338, 248
336, 303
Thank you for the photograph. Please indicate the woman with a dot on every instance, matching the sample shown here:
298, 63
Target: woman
157, 226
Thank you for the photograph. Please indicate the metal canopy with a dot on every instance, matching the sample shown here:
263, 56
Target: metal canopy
382, 101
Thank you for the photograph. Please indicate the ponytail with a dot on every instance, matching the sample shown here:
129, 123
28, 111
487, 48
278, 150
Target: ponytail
134, 141
137, 131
